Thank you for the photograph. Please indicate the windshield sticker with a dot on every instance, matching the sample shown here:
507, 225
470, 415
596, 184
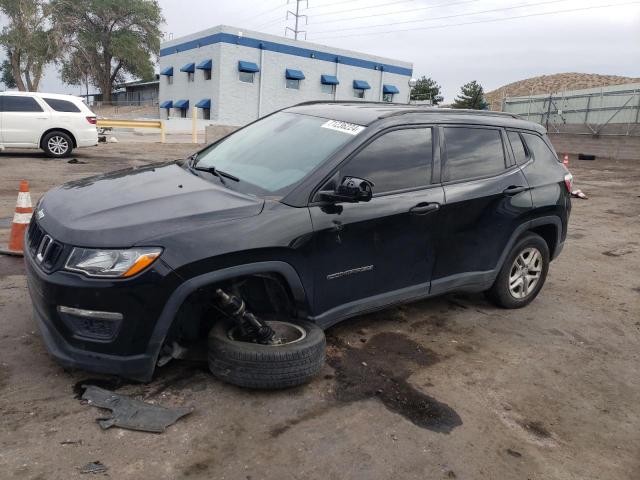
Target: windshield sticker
344, 127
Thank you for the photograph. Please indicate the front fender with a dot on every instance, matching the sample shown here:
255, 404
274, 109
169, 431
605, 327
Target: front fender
189, 286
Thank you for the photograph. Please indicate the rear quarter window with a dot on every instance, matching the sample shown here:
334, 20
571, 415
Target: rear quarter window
539, 148
61, 105
472, 153
519, 151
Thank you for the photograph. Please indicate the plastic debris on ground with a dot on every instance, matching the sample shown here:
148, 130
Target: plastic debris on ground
94, 467
130, 413
579, 194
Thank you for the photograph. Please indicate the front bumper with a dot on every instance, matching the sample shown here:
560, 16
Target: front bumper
128, 352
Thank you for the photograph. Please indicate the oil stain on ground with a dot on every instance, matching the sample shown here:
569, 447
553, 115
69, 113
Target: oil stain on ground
380, 369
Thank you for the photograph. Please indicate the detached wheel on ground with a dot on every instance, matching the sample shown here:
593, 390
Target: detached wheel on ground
523, 273
57, 144
294, 360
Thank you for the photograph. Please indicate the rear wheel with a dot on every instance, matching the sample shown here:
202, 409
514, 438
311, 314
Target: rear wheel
57, 144
297, 355
523, 273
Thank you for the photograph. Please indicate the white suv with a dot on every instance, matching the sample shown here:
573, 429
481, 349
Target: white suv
55, 123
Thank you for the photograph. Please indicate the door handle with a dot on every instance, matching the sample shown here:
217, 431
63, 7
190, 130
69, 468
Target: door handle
514, 190
424, 208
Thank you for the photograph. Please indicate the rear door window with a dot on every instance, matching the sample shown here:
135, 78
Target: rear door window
11, 103
519, 152
398, 160
472, 153
61, 105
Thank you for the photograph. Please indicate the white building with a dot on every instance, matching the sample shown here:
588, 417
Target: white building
233, 76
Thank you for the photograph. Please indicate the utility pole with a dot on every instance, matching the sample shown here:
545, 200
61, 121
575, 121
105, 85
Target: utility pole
297, 15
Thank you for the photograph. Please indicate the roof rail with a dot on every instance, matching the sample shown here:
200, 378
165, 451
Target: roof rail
404, 108
459, 111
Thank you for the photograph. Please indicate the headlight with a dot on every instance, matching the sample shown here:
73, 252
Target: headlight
111, 263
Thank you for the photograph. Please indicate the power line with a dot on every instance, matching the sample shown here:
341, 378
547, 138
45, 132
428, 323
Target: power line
367, 7
448, 4
434, 27
493, 10
266, 12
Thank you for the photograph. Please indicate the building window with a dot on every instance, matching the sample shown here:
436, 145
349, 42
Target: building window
206, 114
191, 77
387, 97
207, 74
246, 77
183, 113
169, 79
293, 84
328, 89
358, 92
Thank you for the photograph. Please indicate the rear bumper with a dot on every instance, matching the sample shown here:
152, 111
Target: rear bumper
87, 138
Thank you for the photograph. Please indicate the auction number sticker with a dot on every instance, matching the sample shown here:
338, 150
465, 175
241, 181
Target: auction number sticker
344, 127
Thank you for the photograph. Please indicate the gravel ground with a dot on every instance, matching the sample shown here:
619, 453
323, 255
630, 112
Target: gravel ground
444, 388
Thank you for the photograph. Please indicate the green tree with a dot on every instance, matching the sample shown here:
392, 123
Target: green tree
30, 40
106, 40
427, 89
471, 96
6, 75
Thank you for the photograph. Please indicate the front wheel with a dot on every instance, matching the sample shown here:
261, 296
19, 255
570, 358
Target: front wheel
57, 144
523, 273
296, 356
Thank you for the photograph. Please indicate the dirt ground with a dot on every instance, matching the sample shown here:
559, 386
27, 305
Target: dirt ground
444, 388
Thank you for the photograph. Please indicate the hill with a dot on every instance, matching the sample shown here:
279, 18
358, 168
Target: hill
553, 84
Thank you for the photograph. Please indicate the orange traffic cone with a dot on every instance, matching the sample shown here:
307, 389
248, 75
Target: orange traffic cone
21, 220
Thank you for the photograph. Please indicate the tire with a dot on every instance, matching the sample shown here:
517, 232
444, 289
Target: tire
57, 144
253, 365
518, 296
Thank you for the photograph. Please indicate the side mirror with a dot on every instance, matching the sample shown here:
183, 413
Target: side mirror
350, 190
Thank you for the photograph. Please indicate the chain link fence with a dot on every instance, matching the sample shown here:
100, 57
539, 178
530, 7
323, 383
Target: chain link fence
613, 110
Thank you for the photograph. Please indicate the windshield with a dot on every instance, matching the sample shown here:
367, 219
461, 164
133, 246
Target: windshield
275, 153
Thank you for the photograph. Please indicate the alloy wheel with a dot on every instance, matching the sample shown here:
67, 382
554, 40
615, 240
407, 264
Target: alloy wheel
525, 273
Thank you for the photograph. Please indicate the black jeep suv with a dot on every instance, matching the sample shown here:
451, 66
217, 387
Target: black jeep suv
304, 218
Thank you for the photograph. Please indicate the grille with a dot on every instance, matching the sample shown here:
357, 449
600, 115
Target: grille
45, 250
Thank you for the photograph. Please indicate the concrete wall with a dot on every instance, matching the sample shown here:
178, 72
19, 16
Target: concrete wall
238, 103
616, 147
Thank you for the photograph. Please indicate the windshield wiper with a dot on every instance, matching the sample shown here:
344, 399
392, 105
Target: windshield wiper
218, 173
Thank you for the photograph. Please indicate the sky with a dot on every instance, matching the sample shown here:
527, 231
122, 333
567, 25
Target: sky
492, 41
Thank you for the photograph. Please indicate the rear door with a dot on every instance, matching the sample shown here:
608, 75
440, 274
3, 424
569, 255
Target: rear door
486, 198
24, 120
373, 253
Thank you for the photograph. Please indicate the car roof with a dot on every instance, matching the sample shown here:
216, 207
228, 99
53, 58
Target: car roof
60, 96
367, 113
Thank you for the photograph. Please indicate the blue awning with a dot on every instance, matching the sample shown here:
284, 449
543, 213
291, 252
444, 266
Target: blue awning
167, 71
204, 103
249, 67
293, 74
205, 65
329, 80
361, 85
167, 104
181, 104
390, 89
189, 68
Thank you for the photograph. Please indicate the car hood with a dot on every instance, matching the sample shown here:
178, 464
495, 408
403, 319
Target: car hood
127, 207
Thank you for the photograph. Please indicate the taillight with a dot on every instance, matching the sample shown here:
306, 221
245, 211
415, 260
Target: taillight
92, 120
568, 182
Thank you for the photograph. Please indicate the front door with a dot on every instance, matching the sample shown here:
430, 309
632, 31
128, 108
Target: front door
487, 198
370, 254
23, 120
